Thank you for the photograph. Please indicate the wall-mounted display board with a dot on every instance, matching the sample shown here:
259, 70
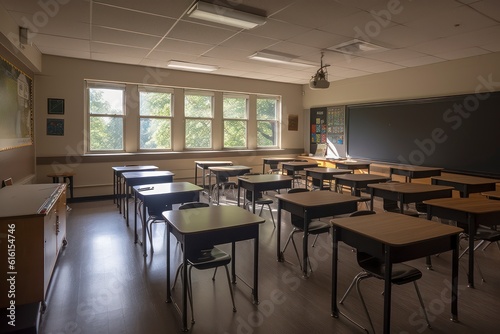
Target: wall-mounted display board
458, 133
328, 127
16, 107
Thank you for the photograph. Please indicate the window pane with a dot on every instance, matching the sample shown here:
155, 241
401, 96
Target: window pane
198, 133
106, 101
266, 133
235, 134
106, 133
198, 106
155, 133
155, 104
266, 109
235, 107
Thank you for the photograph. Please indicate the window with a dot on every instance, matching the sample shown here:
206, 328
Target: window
267, 121
155, 112
106, 113
235, 114
198, 113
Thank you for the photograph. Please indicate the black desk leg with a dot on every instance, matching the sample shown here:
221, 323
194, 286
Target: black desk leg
387, 291
472, 232
233, 265
305, 249
256, 269
335, 255
169, 293
279, 254
454, 280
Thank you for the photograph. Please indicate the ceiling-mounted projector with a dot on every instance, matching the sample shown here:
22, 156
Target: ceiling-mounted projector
320, 79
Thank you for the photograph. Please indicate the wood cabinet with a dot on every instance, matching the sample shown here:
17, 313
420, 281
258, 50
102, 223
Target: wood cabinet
32, 233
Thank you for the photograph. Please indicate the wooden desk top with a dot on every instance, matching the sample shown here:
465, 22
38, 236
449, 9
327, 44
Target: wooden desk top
228, 168
208, 163
132, 175
328, 170
495, 194
264, 178
350, 162
133, 168
166, 188
362, 177
476, 205
211, 218
300, 164
277, 159
395, 229
465, 179
317, 198
408, 188
412, 168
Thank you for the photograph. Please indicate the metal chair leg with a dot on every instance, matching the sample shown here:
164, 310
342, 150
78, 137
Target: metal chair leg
230, 288
421, 303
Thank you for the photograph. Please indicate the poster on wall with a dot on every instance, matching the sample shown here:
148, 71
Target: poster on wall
16, 107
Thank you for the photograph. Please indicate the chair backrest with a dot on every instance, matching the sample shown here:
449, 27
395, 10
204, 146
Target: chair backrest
297, 221
390, 205
193, 205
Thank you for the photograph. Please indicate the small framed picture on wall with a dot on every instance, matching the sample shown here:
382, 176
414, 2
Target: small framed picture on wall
55, 127
55, 106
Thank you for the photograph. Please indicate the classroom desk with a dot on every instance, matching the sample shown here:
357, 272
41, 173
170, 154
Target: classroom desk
159, 196
352, 165
258, 183
310, 205
406, 193
220, 224
293, 167
358, 181
395, 238
324, 173
131, 179
273, 161
468, 212
465, 184
414, 172
203, 165
494, 194
117, 182
227, 171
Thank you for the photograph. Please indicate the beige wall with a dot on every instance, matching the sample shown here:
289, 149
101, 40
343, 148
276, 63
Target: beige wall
64, 78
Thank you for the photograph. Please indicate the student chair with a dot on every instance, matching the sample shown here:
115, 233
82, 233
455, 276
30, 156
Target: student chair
259, 200
205, 256
374, 266
483, 235
316, 227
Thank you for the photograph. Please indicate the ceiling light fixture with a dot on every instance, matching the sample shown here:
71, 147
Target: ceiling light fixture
279, 58
182, 65
224, 15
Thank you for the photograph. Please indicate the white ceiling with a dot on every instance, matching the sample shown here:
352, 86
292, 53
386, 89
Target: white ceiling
152, 32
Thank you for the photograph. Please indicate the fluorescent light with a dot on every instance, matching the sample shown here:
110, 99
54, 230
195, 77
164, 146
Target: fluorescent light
279, 58
182, 65
224, 15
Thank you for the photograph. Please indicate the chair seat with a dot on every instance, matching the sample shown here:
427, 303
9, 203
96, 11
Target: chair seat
264, 201
315, 226
401, 273
210, 259
487, 234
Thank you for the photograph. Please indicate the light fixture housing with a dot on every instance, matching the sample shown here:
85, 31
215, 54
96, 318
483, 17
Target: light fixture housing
186, 66
279, 58
224, 15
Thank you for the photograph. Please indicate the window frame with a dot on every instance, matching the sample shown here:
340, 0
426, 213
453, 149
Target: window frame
105, 85
276, 120
154, 89
210, 119
244, 120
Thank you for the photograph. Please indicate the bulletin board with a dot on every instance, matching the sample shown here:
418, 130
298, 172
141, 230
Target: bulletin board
16, 107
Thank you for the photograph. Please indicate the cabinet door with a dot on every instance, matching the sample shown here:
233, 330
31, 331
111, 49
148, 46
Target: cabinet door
50, 245
61, 220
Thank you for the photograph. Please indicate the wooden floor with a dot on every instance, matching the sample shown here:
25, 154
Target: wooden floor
103, 284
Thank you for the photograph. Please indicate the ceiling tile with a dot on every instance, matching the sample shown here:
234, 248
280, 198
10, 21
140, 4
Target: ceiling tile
278, 30
490, 8
462, 53
104, 48
128, 20
426, 60
245, 41
175, 45
199, 33
170, 8
112, 36
317, 39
